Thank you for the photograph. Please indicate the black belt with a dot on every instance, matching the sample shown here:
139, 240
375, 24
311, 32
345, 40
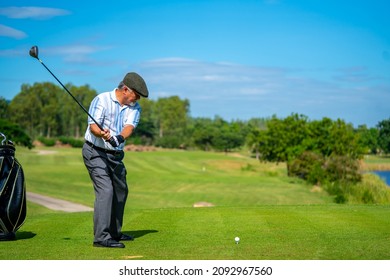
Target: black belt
112, 152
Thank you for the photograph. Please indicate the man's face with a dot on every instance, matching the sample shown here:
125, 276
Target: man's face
131, 95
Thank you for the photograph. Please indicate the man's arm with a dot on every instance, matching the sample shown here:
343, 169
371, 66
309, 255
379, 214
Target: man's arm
116, 140
127, 131
95, 130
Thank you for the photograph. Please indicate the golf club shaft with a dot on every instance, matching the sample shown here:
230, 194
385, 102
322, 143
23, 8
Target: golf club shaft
82, 107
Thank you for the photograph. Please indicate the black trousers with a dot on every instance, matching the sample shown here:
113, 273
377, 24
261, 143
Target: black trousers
108, 174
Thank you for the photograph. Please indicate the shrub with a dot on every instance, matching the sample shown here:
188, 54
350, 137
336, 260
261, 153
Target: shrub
342, 169
75, 143
248, 167
371, 190
316, 169
48, 142
170, 142
338, 190
307, 166
15, 133
339, 176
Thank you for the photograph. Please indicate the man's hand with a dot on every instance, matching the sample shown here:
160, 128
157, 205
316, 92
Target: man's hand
115, 141
105, 134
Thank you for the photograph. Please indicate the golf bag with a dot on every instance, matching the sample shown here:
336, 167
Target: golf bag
12, 191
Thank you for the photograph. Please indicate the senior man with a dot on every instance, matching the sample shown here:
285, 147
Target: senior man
118, 112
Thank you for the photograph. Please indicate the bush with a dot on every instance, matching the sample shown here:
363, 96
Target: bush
170, 142
371, 190
248, 167
48, 142
15, 133
313, 168
307, 166
338, 190
75, 143
339, 176
342, 169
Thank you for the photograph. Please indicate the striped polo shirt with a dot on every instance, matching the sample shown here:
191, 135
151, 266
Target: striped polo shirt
108, 112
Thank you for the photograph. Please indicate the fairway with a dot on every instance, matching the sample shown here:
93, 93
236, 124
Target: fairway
276, 217
165, 179
306, 232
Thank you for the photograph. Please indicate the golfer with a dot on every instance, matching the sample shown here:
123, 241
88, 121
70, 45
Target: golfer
118, 113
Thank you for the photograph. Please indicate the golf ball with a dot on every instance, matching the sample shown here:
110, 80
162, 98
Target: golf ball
237, 239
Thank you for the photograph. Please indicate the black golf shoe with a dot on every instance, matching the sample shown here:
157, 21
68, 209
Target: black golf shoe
109, 243
125, 237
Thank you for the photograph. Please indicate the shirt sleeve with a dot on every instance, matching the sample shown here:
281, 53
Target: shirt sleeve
133, 116
96, 110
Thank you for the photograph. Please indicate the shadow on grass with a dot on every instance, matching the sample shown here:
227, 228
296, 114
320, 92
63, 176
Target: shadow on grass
25, 234
140, 233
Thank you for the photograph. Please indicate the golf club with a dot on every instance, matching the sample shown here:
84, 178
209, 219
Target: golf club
34, 54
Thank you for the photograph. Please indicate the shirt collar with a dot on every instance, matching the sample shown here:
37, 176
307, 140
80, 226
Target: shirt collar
114, 99
113, 96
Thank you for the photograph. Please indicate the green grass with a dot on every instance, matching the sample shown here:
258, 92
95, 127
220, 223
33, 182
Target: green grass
166, 179
374, 162
275, 216
267, 232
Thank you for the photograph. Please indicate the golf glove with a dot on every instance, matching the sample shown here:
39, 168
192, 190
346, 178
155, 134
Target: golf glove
116, 140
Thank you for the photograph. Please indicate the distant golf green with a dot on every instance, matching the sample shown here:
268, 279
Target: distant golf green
275, 216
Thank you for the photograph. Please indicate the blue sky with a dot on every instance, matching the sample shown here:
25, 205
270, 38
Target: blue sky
235, 59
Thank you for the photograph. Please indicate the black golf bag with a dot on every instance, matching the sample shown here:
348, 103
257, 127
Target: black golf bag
13, 207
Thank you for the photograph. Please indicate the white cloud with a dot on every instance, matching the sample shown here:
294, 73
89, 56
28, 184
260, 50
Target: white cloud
6, 31
32, 12
185, 70
78, 53
73, 53
224, 88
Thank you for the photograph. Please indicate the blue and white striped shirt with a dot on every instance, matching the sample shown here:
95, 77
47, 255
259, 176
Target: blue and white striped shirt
108, 112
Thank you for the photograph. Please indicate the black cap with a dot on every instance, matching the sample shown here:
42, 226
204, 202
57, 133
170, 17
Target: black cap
134, 81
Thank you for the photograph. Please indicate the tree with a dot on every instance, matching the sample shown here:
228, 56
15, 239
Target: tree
283, 138
74, 119
203, 131
227, 136
45, 109
384, 135
4, 114
368, 138
316, 151
171, 117
344, 141
146, 129
319, 137
253, 140
36, 109
14, 133
26, 109
253, 137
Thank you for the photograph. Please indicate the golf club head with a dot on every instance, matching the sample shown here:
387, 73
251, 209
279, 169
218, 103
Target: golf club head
34, 52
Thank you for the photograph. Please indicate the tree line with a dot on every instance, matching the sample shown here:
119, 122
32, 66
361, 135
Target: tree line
46, 110
323, 152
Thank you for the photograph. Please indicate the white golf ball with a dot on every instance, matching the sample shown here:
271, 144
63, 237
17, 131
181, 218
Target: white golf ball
237, 239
